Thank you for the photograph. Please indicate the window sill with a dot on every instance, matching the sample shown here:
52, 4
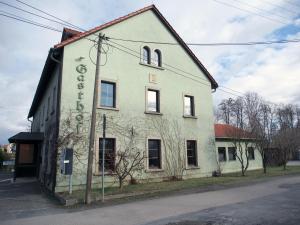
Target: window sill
154, 170
153, 113
191, 117
152, 66
193, 168
108, 108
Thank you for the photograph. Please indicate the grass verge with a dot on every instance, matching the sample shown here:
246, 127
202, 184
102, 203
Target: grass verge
186, 186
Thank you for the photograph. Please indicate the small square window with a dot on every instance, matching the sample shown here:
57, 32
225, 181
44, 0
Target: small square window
189, 108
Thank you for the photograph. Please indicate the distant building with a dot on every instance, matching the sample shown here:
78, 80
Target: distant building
9, 148
228, 151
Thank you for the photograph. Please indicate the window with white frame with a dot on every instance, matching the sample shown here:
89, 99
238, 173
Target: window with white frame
189, 107
108, 94
153, 102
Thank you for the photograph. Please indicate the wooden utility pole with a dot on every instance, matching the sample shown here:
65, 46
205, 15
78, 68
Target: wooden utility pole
89, 174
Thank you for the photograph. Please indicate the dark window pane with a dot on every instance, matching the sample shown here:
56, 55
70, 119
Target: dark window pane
157, 58
191, 153
222, 154
154, 154
109, 154
232, 153
146, 55
251, 153
108, 94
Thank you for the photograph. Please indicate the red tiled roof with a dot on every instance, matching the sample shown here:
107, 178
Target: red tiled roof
71, 31
105, 25
80, 35
229, 131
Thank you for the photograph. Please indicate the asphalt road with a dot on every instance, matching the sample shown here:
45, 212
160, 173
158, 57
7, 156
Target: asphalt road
276, 201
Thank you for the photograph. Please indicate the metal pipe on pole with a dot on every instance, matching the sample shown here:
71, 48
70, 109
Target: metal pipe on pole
93, 124
103, 155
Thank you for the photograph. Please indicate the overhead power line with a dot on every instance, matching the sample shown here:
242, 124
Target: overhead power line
48, 14
292, 3
29, 21
32, 22
170, 68
281, 7
261, 10
34, 14
66, 23
251, 12
283, 41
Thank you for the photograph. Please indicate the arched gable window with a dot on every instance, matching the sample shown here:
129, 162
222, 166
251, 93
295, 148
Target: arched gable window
146, 55
157, 58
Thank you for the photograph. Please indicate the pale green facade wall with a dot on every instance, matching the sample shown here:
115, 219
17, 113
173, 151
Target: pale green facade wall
44, 120
132, 78
230, 166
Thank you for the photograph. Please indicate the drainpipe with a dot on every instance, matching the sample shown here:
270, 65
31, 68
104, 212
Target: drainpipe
30, 124
53, 58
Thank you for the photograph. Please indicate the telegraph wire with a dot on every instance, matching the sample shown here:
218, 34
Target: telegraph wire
171, 70
280, 7
38, 24
22, 19
30, 22
48, 14
66, 23
292, 3
283, 41
34, 14
262, 10
251, 12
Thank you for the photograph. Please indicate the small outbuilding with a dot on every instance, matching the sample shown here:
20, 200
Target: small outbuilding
27, 159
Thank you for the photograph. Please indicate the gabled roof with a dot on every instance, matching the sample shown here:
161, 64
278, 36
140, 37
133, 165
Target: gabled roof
227, 131
81, 35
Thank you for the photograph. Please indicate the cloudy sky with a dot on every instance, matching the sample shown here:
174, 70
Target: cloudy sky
271, 70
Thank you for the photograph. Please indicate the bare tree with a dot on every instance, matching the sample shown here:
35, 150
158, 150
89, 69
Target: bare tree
130, 156
288, 134
225, 110
240, 138
174, 146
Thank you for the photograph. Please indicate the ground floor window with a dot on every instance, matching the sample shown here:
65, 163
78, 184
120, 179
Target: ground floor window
231, 153
110, 152
154, 154
191, 153
222, 154
251, 153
